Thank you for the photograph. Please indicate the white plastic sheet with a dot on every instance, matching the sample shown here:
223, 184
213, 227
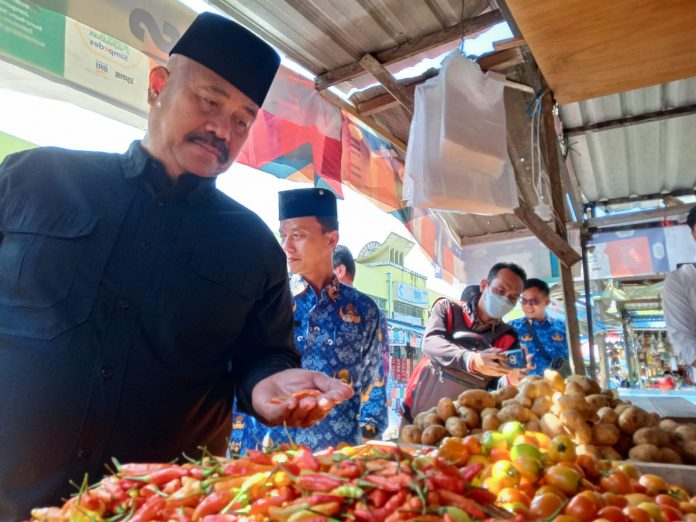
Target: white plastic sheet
434, 183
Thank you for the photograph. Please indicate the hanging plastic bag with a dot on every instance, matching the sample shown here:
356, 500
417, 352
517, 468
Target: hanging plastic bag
474, 131
432, 183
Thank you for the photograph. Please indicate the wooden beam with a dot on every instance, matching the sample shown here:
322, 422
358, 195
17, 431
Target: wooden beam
490, 62
552, 159
572, 325
507, 15
643, 197
635, 217
553, 241
665, 114
500, 60
412, 47
518, 146
398, 91
368, 122
508, 44
589, 305
495, 236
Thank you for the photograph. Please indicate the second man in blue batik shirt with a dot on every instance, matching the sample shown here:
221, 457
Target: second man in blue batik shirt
373, 412
336, 327
550, 332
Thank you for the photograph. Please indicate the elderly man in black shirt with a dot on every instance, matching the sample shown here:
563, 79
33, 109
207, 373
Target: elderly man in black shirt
136, 299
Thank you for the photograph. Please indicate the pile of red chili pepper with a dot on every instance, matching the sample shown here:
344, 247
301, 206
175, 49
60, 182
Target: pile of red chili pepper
361, 484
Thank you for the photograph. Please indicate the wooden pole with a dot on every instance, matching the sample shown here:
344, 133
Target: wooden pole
589, 308
600, 340
553, 166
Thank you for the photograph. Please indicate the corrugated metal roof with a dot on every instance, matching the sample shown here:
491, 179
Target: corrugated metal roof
323, 35
641, 159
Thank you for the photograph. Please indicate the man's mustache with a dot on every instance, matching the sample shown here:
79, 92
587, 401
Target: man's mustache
212, 140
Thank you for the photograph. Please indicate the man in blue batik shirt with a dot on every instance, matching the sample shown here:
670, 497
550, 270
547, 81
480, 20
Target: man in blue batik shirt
373, 414
336, 327
550, 333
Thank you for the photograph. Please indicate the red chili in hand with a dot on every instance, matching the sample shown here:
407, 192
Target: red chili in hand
299, 395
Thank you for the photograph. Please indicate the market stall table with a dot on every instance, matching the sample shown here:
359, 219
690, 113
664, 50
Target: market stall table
675, 405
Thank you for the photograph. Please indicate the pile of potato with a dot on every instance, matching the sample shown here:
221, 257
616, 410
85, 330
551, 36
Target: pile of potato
598, 421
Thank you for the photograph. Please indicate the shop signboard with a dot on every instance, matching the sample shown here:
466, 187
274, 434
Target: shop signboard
105, 65
35, 37
402, 337
152, 27
400, 369
411, 295
640, 252
527, 252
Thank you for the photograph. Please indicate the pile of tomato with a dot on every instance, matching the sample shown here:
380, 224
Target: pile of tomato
544, 479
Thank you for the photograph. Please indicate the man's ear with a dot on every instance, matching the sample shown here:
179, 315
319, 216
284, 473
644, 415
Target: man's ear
340, 271
158, 78
484, 284
333, 238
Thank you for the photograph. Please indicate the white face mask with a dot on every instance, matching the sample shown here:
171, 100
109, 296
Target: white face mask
495, 305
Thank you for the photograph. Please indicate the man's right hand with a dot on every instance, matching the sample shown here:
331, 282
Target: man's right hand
291, 411
490, 362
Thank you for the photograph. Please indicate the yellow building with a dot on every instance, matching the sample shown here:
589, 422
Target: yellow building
400, 293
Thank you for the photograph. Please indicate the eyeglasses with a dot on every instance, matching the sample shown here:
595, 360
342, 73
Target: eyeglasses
533, 301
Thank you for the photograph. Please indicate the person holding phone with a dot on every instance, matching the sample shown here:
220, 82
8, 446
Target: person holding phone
466, 342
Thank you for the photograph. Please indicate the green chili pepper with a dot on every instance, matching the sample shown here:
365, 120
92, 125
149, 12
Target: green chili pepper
348, 491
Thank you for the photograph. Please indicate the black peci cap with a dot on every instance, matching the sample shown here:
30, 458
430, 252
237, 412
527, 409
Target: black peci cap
306, 202
233, 52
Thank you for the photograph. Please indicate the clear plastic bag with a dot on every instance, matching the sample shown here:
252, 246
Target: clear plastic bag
430, 182
473, 125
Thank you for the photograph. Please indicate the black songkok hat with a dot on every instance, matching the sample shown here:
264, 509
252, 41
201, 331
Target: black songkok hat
306, 202
231, 51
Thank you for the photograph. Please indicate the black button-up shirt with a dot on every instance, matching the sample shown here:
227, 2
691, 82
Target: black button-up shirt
130, 307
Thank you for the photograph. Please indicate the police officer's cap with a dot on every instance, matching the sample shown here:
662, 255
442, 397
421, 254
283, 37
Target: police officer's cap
306, 202
231, 51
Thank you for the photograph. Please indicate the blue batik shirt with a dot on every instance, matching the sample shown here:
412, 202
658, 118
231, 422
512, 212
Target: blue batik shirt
336, 333
373, 414
552, 335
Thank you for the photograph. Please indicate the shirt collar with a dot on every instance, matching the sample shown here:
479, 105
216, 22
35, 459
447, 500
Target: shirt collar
138, 163
546, 320
331, 291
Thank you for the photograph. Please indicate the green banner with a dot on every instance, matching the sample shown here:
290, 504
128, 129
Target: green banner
32, 35
10, 144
